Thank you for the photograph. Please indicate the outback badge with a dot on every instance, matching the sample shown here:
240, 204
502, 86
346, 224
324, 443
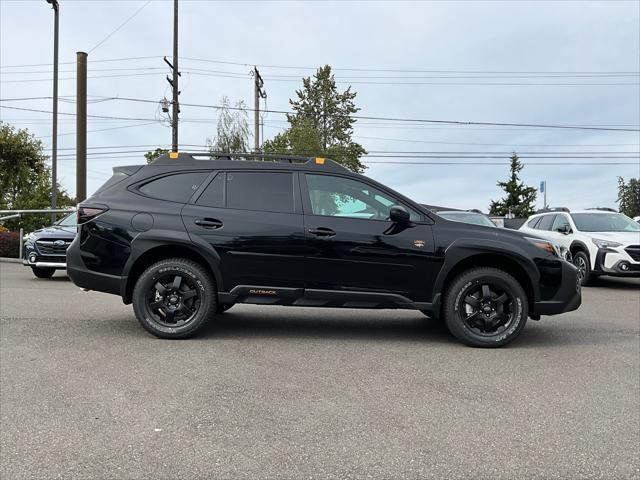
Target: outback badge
418, 243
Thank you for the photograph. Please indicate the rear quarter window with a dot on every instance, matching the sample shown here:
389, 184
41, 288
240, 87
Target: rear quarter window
177, 187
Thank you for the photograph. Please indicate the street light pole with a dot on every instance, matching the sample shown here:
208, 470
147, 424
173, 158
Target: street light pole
54, 133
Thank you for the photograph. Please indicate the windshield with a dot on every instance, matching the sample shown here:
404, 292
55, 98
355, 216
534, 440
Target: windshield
68, 221
468, 217
604, 222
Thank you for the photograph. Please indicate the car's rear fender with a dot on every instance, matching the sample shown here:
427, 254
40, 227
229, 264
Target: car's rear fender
152, 246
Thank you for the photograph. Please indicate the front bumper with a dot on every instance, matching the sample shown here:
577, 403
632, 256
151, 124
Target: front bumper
33, 258
567, 298
615, 263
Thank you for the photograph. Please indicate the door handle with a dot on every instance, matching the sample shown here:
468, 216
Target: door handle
211, 223
322, 232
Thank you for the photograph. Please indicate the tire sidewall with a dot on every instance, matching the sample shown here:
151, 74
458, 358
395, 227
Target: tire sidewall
149, 278
586, 278
43, 272
453, 314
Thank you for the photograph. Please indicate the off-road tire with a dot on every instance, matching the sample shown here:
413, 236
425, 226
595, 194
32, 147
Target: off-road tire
192, 272
472, 279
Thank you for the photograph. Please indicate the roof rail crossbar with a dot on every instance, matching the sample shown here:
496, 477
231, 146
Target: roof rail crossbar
171, 158
603, 209
553, 209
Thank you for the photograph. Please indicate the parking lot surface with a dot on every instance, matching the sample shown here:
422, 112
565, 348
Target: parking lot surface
275, 392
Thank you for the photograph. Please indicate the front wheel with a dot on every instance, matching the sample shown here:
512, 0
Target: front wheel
174, 298
581, 261
485, 307
43, 272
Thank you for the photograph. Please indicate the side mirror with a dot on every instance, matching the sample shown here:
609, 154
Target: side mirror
398, 214
565, 229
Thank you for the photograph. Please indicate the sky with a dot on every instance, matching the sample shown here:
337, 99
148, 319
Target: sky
552, 63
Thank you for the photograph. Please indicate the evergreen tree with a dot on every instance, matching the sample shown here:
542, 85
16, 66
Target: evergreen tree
520, 199
629, 197
321, 123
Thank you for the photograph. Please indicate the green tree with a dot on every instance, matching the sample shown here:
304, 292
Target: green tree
520, 199
151, 155
629, 197
25, 178
232, 133
321, 123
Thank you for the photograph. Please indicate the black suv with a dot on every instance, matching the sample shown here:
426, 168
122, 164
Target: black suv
184, 238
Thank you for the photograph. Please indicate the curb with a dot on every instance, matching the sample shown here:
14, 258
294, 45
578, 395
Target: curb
10, 260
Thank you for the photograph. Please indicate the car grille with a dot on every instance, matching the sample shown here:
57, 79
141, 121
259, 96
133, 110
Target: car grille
634, 252
53, 247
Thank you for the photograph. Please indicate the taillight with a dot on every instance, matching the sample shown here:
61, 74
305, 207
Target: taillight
87, 213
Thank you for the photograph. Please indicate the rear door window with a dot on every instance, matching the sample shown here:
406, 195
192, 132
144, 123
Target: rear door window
262, 191
213, 196
177, 187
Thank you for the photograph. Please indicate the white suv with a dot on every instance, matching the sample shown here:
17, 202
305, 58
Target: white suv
602, 242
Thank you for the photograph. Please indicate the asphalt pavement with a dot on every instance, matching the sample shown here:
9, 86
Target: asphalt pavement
281, 392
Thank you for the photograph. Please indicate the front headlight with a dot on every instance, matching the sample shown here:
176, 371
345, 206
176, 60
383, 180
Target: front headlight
544, 245
605, 243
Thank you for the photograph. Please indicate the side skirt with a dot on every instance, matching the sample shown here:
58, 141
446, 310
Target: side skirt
300, 297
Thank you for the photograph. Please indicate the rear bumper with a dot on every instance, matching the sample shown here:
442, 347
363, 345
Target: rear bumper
88, 279
568, 296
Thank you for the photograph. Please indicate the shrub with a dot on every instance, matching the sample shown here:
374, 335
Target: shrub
9, 244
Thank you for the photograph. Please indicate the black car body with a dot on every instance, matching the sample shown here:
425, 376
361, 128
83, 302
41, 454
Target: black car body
45, 250
301, 232
467, 216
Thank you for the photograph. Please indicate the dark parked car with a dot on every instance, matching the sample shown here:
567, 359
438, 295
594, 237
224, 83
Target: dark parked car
45, 250
467, 216
183, 239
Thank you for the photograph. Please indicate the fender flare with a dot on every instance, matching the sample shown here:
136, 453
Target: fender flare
580, 244
464, 248
146, 241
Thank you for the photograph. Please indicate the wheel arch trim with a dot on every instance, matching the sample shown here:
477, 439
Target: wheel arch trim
146, 242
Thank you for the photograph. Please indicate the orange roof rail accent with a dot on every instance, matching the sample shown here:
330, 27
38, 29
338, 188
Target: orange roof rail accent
319, 161
173, 155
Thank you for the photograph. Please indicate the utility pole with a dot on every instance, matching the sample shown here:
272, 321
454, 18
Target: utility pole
174, 81
258, 93
54, 133
81, 127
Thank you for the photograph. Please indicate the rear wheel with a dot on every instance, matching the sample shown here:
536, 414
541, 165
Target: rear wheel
581, 261
174, 298
43, 272
485, 307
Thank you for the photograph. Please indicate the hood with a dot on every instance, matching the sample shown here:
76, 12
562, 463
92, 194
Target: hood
56, 231
625, 238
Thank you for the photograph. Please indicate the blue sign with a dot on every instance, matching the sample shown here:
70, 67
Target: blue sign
542, 186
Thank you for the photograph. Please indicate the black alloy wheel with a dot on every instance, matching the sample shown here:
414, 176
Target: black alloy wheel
485, 307
173, 300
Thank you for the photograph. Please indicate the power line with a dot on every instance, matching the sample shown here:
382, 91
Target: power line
396, 119
89, 61
362, 117
120, 26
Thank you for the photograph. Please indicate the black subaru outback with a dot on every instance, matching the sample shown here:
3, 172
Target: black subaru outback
185, 238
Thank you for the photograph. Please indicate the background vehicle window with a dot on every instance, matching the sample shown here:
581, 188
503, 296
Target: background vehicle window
213, 196
175, 188
546, 222
343, 197
604, 222
533, 223
560, 222
264, 191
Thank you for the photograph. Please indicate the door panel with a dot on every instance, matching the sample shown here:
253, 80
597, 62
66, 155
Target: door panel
352, 245
261, 241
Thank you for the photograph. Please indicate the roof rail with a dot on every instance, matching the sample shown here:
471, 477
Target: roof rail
603, 209
172, 157
553, 209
